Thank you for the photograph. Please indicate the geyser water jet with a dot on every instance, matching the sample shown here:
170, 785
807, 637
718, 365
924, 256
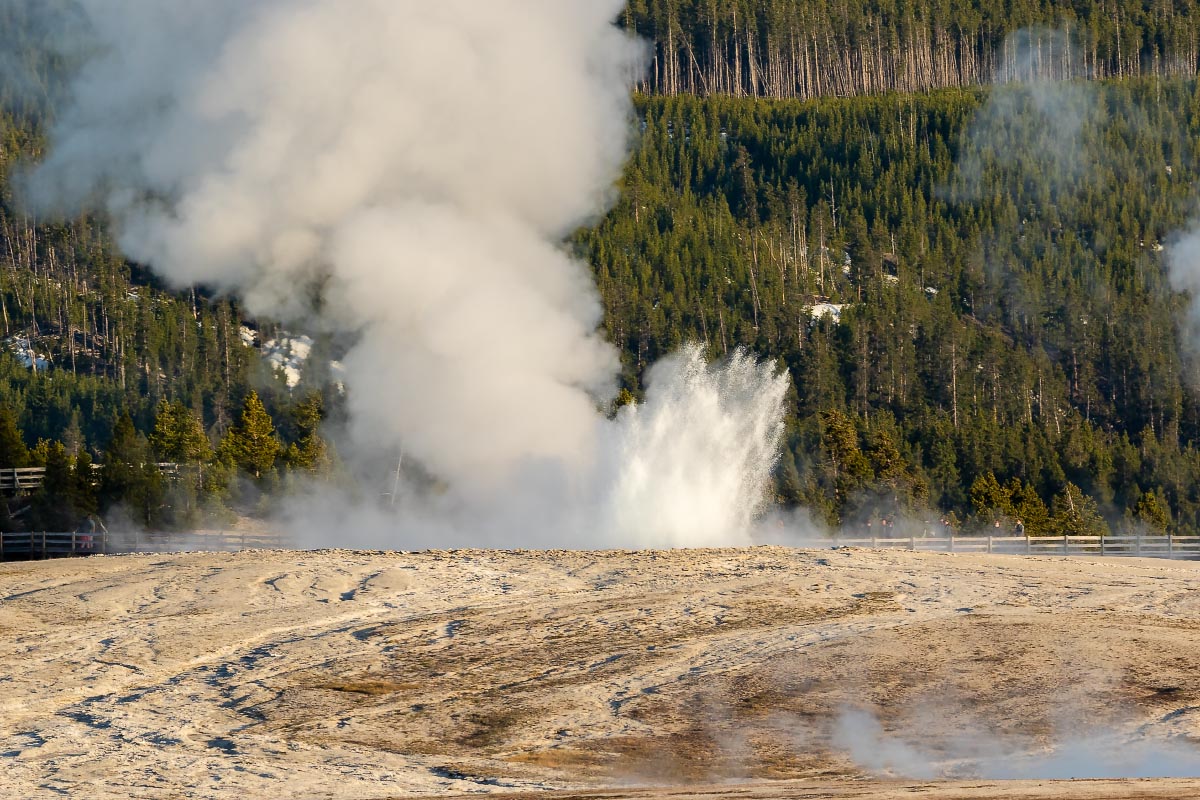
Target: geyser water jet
693, 460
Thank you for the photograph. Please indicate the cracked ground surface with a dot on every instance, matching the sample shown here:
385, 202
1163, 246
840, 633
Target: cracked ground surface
585, 674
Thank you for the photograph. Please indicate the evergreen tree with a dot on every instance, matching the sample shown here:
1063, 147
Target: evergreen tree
1076, 514
178, 434
73, 438
52, 508
1152, 513
309, 451
847, 470
250, 444
789, 490
13, 452
83, 485
1030, 509
130, 476
989, 500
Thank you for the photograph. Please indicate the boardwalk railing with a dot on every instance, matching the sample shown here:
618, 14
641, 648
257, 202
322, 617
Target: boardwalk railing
21, 480
25, 480
39, 545
1180, 547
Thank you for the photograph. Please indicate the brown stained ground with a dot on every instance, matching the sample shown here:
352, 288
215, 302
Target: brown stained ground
362, 674
849, 789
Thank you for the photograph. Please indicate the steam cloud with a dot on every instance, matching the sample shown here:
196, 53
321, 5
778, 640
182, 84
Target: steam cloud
1183, 272
1099, 755
406, 172
1040, 103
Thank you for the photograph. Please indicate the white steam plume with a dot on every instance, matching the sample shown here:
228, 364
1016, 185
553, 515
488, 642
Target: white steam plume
416, 159
1183, 273
1081, 755
415, 166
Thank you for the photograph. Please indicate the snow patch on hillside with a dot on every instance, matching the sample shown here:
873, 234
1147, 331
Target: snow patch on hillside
831, 310
21, 347
287, 354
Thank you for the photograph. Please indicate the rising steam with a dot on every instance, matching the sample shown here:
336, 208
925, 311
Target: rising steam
405, 172
980, 754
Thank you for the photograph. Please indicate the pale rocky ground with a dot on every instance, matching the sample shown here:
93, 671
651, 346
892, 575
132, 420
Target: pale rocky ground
354, 674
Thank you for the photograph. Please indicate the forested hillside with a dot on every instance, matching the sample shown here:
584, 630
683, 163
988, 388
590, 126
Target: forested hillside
958, 312
966, 284
810, 48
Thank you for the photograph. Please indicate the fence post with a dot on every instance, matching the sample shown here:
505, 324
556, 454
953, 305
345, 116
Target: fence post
1102, 544
1028, 546
1066, 546
1170, 547
1, 545
912, 543
989, 543
73, 542
952, 543
44, 555
1137, 544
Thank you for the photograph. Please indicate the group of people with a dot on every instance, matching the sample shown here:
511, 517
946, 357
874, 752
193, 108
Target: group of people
944, 527
1018, 529
887, 526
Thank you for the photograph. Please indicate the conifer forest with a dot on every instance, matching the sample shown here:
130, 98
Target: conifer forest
951, 223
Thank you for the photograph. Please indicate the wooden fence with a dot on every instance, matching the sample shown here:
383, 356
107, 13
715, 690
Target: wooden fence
26, 480
38, 545
1178, 547
21, 480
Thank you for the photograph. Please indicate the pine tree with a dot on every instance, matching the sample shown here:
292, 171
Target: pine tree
845, 466
309, 452
130, 476
989, 500
943, 471
83, 485
789, 491
178, 434
1076, 514
73, 438
13, 452
52, 508
250, 444
1151, 513
891, 475
1028, 507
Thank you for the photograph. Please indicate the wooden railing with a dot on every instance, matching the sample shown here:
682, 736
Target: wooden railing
1180, 547
26, 480
21, 480
38, 545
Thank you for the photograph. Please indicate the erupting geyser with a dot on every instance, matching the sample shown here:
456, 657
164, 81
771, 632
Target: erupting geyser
416, 167
694, 458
